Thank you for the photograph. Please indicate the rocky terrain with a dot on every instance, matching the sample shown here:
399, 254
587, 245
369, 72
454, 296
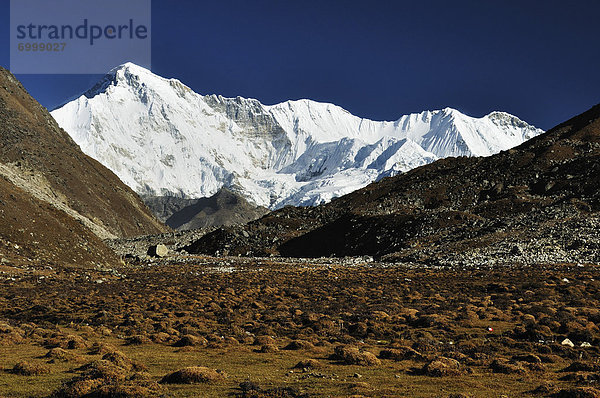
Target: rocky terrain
537, 203
225, 208
140, 247
56, 202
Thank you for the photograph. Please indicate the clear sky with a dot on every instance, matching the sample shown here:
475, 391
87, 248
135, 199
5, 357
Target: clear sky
539, 60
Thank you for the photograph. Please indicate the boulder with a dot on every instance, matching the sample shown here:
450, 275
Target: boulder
159, 250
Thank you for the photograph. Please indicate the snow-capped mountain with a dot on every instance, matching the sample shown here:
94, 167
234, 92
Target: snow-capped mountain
161, 138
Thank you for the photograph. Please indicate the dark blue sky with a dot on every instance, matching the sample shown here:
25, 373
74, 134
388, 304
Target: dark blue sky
379, 59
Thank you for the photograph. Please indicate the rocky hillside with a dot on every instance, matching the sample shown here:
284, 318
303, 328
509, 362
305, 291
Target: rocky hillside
224, 208
537, 203
57, 203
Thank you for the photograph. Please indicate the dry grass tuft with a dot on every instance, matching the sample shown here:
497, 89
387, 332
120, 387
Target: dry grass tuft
194, 374
78, 388
309, 364
131, 389
401, 354
106, 388
120, 359
579, 392
74, 342
30, 369
353, 356
11, 338
190, 340
138, 339
501, 365
299, 345
442, 366
103, 369
268, 348
102, 348
59, 354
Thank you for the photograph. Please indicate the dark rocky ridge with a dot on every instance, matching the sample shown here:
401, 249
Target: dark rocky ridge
225, 208
56, 202
535, 203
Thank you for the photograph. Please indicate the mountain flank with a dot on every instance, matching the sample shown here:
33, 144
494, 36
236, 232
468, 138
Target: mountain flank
225, 208
537, 203
57, 203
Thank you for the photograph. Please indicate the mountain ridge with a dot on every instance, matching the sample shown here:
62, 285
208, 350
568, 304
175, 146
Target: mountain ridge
161, 138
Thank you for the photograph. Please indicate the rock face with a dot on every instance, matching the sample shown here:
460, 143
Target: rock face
163, 139
56, 203
224, 208
537, 203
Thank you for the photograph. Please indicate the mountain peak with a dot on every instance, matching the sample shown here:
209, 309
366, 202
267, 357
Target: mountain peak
128, 70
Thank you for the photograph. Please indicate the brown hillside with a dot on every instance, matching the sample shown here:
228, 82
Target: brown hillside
35, 233
40, 156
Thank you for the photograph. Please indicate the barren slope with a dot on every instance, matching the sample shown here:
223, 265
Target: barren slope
223, 208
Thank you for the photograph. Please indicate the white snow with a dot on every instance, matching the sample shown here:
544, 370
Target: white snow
161, 138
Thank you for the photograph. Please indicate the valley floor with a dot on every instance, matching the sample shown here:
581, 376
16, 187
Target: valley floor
268, 327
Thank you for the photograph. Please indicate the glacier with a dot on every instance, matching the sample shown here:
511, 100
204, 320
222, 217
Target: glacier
162, 138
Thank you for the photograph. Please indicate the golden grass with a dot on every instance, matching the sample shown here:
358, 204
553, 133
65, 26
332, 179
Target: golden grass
263, 331
268, 370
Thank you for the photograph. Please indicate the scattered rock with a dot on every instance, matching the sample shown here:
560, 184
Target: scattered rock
568, 343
